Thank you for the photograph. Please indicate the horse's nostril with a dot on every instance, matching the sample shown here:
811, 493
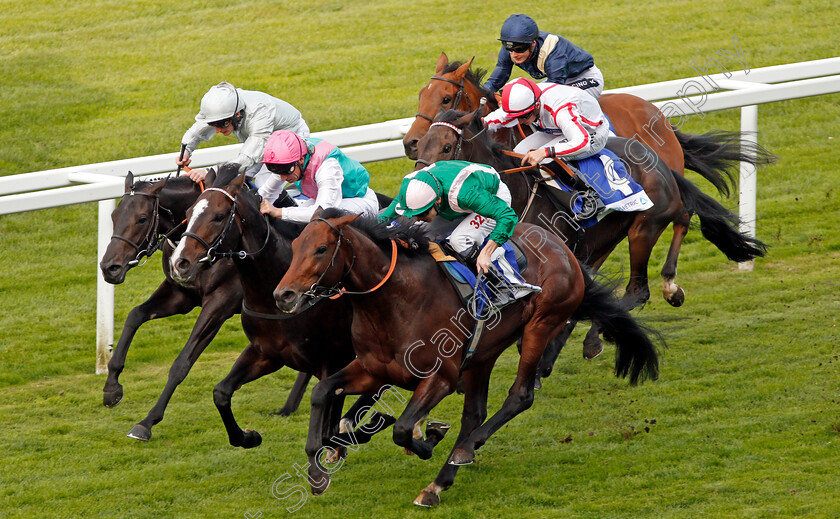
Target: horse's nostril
113, 268
182, 264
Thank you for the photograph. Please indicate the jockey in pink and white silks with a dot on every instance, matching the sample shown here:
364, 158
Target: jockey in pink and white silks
321, 171
569, 124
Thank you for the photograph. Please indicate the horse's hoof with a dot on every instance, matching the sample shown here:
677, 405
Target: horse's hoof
677, 298
139, 432
462, 457
251, 439
537, 384
435, 431
427, 499
408, 452
323, 484
283, 411
112, 398
592, 349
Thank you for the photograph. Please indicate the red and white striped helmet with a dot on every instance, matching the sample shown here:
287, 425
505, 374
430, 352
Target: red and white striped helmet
520, 97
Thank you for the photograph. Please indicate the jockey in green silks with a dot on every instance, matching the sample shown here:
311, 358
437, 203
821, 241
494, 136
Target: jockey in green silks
465, 201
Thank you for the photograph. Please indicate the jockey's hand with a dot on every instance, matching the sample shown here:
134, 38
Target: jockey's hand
534, 157
483, 261
185, 161
197, 175
270, 210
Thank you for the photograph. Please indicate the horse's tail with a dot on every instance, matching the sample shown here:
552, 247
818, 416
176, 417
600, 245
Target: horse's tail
714, 154
718, 224
635, 352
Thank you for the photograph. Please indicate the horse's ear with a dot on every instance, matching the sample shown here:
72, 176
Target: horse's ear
463, 69
317, 214
465, 120
345, 220
236, 184
129, 181
210, 179
443, 61
158, 186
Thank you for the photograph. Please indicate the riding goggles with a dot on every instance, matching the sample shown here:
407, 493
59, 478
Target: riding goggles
516, 46
221, 124
280, 169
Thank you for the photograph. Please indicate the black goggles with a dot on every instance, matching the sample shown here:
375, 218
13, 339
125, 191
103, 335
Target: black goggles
221, 124
516, 46
281, 169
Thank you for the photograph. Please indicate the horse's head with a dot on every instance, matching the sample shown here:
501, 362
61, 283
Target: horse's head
453, 87
455, 135
136, 225
211, 228
321, 257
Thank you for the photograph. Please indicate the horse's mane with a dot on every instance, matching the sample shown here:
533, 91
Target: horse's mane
382, 233
451, 116
474, 76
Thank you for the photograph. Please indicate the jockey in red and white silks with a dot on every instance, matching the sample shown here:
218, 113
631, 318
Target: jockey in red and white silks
569, 122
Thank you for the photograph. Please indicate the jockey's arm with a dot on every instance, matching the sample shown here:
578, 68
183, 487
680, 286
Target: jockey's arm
493, 207
578, 142
329, 178
500, 74
498, 119
259, 125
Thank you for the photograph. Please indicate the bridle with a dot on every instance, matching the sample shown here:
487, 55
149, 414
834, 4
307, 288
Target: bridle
152, 237
318, 292
460, 133
213, 255
458, 96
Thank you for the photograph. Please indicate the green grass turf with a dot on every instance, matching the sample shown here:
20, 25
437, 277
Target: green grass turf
744, 422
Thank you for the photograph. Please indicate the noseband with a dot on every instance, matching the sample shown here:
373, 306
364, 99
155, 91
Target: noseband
458, 96
460, 133
212, 255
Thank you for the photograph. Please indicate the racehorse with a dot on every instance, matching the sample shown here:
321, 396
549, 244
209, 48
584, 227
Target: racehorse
142, 221
225, 222
410, 330
712, 155
460, 135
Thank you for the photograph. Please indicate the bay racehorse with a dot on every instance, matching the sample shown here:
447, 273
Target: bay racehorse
143, 222
225, 222
463, 136
410, 330
649, 134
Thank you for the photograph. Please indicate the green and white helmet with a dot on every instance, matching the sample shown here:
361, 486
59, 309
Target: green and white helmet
421, 193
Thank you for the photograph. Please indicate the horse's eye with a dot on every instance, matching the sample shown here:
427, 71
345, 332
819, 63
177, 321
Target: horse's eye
322, 249
218, 217
447, 148
142, 219
446, 100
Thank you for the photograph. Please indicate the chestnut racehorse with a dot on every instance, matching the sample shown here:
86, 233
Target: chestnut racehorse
143, 222
410, 330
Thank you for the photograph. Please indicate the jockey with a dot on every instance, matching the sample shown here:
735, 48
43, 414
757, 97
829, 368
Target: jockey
570, 125
321, 171
543, 55
471, 200
249, 115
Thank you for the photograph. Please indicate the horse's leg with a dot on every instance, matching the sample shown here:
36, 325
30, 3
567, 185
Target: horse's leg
427, 395
166, 300
295, 395
251, 365
213, 314
641, 236
672, 292
552, 351
520, 397
352, 379
476, 382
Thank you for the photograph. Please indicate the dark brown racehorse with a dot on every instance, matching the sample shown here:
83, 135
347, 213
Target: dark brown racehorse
409, 330
463, 136
225, 222
147, 213
713, 155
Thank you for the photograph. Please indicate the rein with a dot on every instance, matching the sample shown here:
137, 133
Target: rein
214, 256
317, 292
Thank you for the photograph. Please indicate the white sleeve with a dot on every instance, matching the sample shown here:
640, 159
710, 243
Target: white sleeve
260, 125
578, 142
198, 132
329, 178
271, 188
498, 119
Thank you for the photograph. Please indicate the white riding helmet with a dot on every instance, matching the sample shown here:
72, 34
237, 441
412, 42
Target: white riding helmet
421, 193
520, 97
219, 103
